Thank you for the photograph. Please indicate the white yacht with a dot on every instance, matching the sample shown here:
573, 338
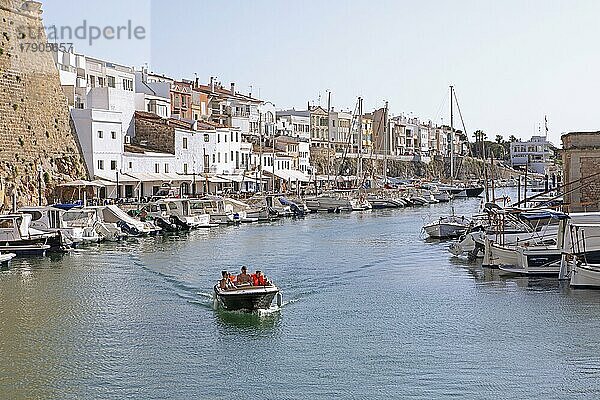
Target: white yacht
17, 236
174, 214
215, 207
76, 225
111, 214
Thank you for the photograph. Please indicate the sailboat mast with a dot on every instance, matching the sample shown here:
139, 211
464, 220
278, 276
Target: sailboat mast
451, 134
360, 136
385, 142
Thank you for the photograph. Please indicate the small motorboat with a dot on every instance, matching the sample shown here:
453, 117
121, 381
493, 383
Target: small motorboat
247, 297
447, 227
6, 257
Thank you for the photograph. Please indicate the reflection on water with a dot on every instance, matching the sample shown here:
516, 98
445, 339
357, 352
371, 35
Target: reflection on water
246, 322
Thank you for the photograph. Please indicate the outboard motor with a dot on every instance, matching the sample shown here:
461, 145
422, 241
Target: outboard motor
128, 229
165, 225
298, 212
58, 244
181, 225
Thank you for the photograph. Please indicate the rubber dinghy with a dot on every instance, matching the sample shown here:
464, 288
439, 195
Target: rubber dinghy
247, 297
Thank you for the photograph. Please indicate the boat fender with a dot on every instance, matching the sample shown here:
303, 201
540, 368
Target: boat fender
279, 299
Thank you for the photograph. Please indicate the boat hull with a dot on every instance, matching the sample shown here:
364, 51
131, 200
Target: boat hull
250, 299
585, 276
500, 255
444, 230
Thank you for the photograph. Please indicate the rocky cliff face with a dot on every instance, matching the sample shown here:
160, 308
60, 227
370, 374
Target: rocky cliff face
465, 168
35, 126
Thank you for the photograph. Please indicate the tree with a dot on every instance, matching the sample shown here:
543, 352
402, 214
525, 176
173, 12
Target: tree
479, 147
499, 139
512, 138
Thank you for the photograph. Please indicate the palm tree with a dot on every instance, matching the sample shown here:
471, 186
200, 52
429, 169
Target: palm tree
480, 136
499, 139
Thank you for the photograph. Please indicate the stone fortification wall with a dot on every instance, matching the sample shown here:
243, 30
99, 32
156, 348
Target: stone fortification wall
35, 126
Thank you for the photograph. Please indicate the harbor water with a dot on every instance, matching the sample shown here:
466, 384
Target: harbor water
371, 310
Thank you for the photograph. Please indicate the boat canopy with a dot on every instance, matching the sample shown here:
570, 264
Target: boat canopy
543, 214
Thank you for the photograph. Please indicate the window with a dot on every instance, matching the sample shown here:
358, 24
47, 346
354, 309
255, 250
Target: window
111, 81
113, 135
130, 164
100, 134
232, 156
100, 81
185, 143
237, 136
225, 138
113, 165
128, 84
232, 136
218, 138
156, 168
185, 169
225, 157
206, 137
214, 158
166, 168
92, 80
100, 164
219, 157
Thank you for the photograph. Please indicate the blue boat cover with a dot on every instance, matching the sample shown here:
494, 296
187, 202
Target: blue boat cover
68, 206
544, 214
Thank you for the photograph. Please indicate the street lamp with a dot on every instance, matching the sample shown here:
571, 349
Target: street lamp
39, 170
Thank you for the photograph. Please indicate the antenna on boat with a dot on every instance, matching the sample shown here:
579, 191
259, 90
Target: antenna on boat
451, 135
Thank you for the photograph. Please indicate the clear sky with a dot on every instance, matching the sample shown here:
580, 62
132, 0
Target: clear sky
512, 62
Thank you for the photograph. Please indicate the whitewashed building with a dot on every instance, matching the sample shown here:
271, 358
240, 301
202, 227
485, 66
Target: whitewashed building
152, 94
101, 139
536, 154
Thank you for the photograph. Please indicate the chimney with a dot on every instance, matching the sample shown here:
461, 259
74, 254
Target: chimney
212, 84
308, 105
196, 82
232, 88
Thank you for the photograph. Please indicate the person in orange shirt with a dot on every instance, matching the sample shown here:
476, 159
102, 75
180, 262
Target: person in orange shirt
232, 280
258, 279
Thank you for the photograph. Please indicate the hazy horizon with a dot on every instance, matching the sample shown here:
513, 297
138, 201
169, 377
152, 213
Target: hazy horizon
510, 63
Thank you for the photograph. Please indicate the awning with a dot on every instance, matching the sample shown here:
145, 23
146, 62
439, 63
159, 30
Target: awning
80, 183
299, 176
232, 178
103, 182
340, 178
291, 175
152, 177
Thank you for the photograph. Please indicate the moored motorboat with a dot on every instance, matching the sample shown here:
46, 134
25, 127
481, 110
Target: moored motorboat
584, 275
447, 227
17, 236
6, 257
